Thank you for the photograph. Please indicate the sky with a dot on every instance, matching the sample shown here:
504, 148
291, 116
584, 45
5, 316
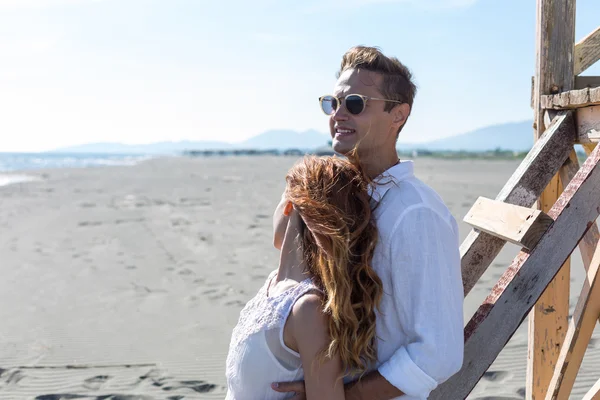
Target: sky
142, 71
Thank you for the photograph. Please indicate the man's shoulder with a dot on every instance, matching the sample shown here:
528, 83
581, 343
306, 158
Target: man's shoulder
411, 199
413, 193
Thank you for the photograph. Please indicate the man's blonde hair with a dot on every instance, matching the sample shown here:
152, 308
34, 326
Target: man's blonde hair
397, 79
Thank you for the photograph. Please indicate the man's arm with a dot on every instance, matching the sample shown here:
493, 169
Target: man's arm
428, 301
372, 386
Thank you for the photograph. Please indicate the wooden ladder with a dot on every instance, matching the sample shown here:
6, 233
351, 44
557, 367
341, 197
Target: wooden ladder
549, 206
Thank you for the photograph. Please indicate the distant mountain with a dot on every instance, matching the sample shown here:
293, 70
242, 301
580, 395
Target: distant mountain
514, 136
286, 139
151, 148
274, 139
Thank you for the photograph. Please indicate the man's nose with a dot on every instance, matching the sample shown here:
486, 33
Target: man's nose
340, 114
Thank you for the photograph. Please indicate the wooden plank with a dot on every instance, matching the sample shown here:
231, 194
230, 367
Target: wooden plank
555, 37
582, 82
593, 393
587, 52
588, 124
588, 147
587, 245
515, 224
523, 282
543, 161
578, 335
572, 99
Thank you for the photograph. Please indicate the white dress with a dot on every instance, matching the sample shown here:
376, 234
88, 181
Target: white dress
257, 354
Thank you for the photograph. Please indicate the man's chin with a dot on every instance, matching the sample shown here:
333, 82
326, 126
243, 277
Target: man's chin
342, 148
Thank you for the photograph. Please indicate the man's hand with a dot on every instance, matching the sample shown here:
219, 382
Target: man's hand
297, 387
372, 386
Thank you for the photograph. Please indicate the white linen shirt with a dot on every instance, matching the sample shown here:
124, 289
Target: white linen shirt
420, 321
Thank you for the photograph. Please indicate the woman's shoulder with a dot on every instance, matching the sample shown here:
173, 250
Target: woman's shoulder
307, 312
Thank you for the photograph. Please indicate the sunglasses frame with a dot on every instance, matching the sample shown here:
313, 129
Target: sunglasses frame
365, 99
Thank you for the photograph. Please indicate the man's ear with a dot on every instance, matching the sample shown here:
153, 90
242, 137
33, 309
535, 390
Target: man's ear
400, 113
288, 208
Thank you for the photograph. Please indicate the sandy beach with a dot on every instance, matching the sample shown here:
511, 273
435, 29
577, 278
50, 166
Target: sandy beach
126, 281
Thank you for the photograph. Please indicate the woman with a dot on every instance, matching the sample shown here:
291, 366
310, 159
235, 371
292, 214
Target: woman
314, 318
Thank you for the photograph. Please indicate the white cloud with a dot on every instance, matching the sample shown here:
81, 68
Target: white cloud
27, 4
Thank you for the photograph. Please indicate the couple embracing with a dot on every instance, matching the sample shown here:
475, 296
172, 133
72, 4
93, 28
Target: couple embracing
367, 300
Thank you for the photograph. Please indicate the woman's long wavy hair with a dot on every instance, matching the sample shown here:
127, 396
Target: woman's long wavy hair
338, 239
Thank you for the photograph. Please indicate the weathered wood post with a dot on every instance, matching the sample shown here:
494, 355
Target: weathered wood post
548, 320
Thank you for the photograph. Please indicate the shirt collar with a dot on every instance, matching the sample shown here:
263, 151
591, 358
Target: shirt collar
391, 177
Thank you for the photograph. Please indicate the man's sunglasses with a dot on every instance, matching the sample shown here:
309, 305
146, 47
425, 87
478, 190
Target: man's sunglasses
354, 103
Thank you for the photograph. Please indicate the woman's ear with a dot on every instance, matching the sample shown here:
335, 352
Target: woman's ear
288, 208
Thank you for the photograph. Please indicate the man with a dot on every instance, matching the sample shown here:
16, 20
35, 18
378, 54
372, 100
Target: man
420, 319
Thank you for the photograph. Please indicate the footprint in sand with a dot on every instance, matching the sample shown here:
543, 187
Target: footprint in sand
180, 222
235, 303
73, 396
90, 223
11, 377
186, 272
145, 290
194, 201
206, 238
95, 382
196, 386
127, 221
217, 293
497, 376
163, 382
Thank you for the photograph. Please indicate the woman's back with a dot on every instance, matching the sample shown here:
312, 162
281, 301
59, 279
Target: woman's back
258, 355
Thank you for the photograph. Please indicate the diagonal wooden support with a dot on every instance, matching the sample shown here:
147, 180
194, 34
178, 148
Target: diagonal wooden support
587, 245
522, 284
587, 52
578, 335
594, 392
588, 147
581, 82
523, 188
515, 224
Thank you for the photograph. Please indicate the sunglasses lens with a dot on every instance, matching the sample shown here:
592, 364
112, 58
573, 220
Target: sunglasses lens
355, 104
329, 104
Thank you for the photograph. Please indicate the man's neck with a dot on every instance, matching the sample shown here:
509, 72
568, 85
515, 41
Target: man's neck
375, 166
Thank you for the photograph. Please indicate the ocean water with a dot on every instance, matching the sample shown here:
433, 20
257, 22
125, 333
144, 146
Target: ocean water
23, 162
28, 161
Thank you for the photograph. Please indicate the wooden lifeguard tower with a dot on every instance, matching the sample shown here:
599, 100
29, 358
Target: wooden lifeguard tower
549, 207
